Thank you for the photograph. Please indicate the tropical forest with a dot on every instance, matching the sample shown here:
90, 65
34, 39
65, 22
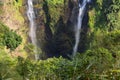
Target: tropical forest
59, 39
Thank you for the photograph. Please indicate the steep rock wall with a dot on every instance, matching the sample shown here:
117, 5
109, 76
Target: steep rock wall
55, 26
11, 15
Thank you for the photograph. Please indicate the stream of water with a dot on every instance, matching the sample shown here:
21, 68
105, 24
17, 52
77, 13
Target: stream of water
82, 8
32, 25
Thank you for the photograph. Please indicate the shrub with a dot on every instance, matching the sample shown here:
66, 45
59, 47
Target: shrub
7, 66
9, 38
12, 40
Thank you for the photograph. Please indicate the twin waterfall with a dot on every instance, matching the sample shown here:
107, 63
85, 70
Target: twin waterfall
32, 32
82, 8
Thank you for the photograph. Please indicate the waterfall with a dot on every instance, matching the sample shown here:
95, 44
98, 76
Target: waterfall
32, 25
82, 8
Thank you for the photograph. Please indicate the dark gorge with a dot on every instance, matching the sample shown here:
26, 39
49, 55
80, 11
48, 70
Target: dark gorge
55, 28
59, 39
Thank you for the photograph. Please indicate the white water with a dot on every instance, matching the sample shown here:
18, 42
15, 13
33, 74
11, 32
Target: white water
82, 8
32, 32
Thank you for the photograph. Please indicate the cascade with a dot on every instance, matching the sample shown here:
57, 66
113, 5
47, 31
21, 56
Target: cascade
32, 25
82, 8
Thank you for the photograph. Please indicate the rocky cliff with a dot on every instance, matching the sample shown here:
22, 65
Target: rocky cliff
55, 26
12, 15
55, 22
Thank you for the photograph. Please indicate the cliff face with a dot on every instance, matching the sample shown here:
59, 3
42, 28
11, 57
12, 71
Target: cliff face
51, 21
56, 19
55, 22
11, 16
55, 26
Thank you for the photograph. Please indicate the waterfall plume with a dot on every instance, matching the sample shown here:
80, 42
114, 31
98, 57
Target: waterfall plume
32, 25
82, 8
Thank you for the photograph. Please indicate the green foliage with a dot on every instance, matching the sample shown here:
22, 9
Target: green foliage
101, 61
17, 3
113, 15
96, 64
9, 38
1, 4
3, 29
54, 2
12, 40
55, 10
107, 40
55, 68
107, 14
7, 66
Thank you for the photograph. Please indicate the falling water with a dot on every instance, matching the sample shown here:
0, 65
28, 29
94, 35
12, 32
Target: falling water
32, 32
82, 7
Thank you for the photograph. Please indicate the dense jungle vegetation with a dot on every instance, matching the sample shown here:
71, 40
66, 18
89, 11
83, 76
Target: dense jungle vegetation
100, 59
